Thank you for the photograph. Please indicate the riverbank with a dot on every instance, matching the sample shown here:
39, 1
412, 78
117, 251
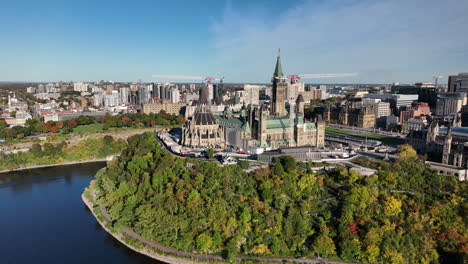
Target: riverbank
170, 255
52, 165
104, 224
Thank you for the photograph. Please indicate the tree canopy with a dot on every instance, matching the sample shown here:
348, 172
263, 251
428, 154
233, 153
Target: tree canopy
406, 213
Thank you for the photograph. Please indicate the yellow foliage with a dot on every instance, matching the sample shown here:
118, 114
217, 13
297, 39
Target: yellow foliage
261, 249
392, 206
393, 256
372, 253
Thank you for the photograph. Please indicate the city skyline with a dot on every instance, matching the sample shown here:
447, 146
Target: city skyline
385, 41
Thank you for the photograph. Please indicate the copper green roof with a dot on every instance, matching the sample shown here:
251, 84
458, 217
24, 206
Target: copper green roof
273, 123
229, 121
246, 127
278, 69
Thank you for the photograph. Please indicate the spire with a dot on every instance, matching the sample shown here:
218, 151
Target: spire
278, 69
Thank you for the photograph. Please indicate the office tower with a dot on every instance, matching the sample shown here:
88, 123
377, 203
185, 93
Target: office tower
452, 82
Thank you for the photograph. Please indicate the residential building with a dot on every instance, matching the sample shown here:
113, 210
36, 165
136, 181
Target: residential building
143, 95
175, 95
80, 87
164, 105
124, 93
111, 99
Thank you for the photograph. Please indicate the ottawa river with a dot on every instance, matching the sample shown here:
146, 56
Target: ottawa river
44, 220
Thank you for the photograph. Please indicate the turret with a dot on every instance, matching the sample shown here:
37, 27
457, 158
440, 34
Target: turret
262, 133
447, 146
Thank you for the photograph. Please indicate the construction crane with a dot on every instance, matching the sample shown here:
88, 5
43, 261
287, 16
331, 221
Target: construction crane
293, 94
296, 77
436, 79
187, 77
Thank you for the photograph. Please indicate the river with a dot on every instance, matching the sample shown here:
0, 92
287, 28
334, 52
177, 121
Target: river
44, 220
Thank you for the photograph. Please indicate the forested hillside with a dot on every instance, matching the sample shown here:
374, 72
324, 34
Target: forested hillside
405, 214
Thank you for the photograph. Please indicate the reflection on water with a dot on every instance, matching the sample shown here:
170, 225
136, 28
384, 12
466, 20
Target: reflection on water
44, 220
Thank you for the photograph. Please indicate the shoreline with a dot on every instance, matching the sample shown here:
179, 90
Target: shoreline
53, 165
151, 251
148, 253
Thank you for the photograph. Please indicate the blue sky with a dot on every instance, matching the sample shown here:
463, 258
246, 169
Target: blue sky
384, 40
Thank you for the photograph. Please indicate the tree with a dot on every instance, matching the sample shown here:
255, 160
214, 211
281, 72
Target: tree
204, 242
324, 245
261, 249
36, 149
210, 153
392, 206
108, 139
39, 128
406, 151
231, 250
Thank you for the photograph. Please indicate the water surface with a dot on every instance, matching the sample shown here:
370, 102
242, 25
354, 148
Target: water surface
44, 220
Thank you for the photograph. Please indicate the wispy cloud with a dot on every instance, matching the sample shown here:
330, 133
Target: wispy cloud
383, 40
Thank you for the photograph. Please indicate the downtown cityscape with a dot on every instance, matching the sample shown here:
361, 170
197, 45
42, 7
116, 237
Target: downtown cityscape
254, 141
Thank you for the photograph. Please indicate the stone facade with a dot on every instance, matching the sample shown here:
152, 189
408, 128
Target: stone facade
202, 129
164, 105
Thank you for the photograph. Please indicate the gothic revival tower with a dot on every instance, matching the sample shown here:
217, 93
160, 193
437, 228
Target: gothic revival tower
279, 90
447, 146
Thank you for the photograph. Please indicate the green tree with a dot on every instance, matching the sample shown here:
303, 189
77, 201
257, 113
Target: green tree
406, 152
36, 149
324, 245
204, 242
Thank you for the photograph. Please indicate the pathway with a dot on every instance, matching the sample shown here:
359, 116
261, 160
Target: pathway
198, 257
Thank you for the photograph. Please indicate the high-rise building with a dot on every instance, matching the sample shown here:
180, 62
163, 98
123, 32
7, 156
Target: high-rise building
143, 95
218, 92
449, 104
164, 91
324, 94
124, 95
50, 88
41, 88
175, 95
111, 99
453, 79
155, 91
427, 94
462, 85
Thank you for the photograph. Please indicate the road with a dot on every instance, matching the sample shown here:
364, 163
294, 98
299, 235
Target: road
367, 130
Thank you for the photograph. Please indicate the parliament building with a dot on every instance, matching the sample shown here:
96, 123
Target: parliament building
268, 126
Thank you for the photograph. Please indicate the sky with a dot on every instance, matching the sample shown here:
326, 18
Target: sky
385, 41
